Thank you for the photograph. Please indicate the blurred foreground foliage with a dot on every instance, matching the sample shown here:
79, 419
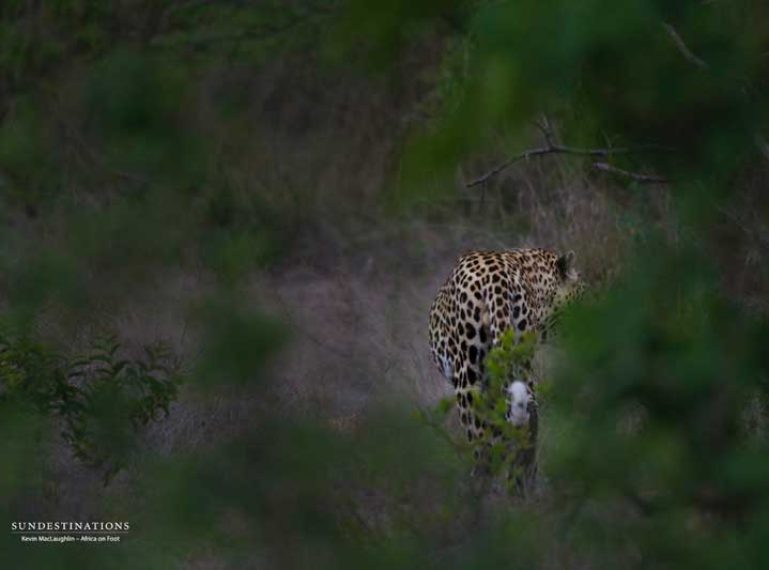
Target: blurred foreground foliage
100, 399
654, 445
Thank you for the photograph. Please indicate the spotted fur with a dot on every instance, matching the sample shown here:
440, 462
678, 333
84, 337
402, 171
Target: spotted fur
487, 293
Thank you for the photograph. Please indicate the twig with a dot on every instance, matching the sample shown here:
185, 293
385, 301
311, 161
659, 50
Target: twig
683, 48
546, 127
426, 417
637, 177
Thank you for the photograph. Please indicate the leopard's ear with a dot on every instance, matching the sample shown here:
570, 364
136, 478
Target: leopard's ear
565, 263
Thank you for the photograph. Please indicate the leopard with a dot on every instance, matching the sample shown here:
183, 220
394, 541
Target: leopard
488, 293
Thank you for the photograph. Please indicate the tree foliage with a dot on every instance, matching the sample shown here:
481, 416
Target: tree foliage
100, 399
116, 154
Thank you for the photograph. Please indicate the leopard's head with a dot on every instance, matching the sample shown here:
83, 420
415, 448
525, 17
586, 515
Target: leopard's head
569, 286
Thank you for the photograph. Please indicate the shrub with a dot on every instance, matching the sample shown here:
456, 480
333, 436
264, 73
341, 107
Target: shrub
100, 399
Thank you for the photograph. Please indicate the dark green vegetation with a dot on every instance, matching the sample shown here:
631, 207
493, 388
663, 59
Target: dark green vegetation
98, 398
142, 142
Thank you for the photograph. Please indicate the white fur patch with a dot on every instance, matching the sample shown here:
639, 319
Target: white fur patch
448, 369
518, 401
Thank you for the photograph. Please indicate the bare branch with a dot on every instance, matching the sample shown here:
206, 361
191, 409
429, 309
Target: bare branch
635, 176
549, 149
683, 48
545, 127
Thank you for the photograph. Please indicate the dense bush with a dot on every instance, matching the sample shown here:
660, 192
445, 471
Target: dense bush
100, 399
125, 148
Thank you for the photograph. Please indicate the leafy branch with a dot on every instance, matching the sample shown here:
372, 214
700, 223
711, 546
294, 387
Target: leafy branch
101, 398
